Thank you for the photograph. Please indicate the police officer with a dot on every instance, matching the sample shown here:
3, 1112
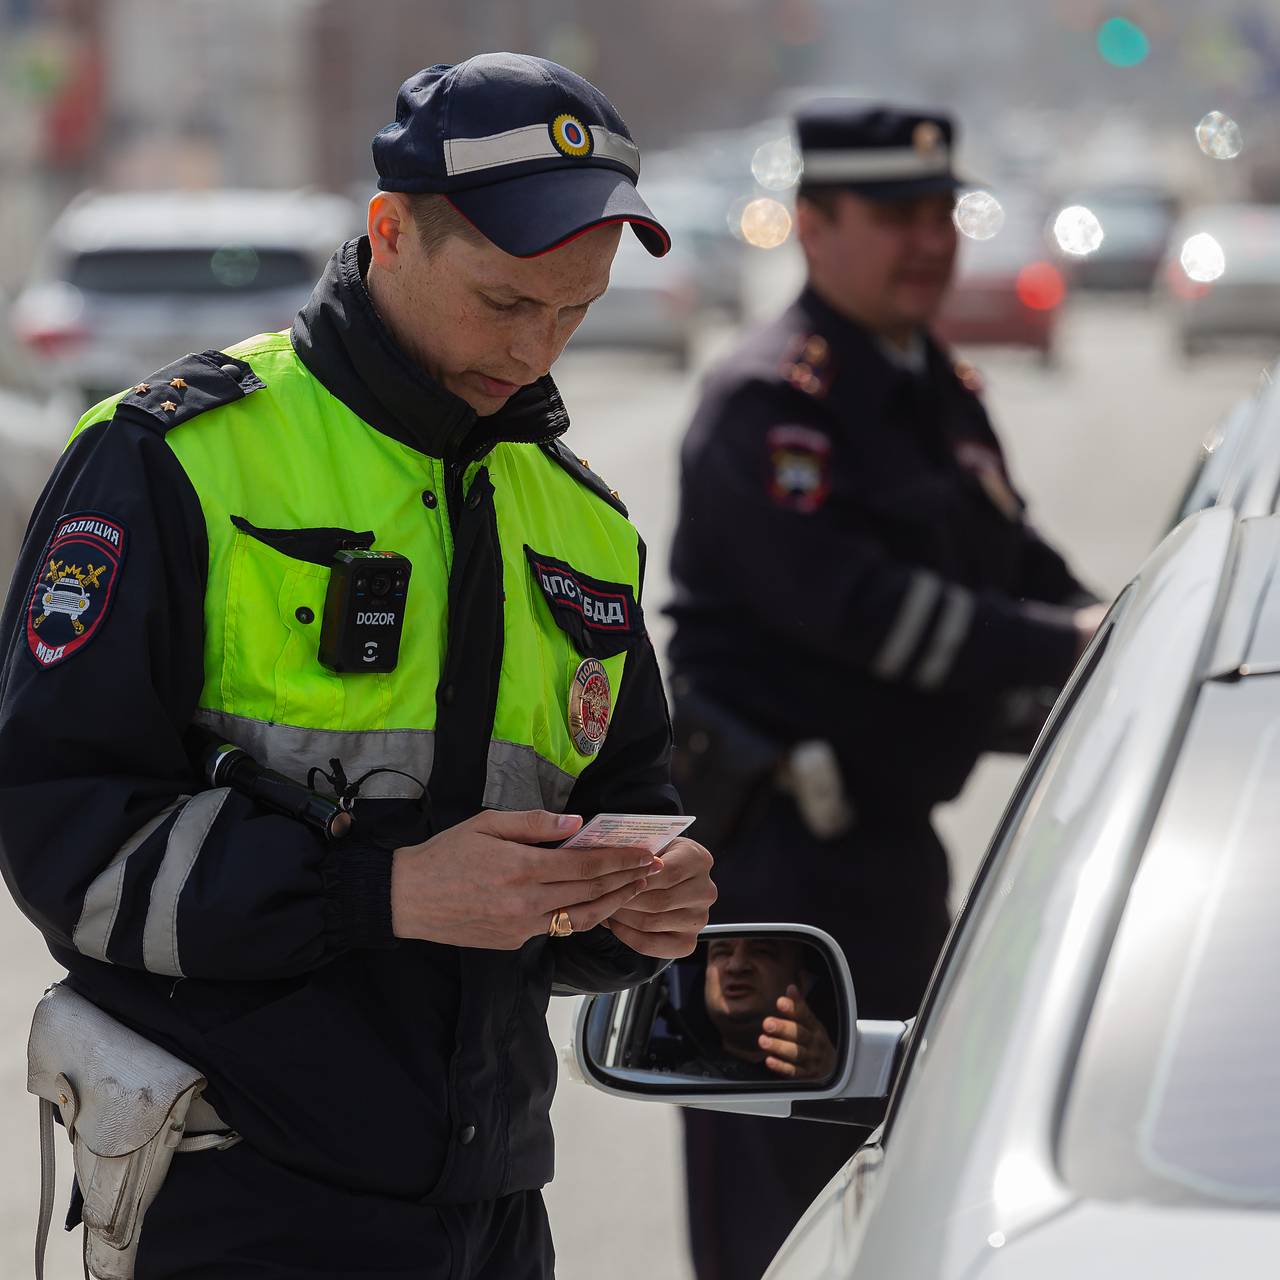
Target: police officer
369, 1011
840, 666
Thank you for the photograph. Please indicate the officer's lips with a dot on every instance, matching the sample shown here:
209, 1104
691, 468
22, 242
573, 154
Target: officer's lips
737, 990
495, 387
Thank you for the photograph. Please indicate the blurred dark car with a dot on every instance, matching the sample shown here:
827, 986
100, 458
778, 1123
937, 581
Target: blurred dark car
1244, 301
1136, 223
1008, 290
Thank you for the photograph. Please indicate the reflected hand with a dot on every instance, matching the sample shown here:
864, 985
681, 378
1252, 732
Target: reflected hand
797, 1044
666, 916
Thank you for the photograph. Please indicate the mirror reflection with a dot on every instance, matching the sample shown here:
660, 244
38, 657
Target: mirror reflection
756, 1009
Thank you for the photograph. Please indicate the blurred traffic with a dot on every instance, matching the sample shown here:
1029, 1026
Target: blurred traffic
174, 179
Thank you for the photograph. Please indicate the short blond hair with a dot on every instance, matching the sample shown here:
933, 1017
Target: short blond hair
435, 220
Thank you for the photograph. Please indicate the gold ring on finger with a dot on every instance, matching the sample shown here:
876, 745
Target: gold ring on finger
561, 926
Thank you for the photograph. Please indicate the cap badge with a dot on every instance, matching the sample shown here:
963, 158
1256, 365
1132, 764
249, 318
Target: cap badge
926, 137
570, 136
590, 699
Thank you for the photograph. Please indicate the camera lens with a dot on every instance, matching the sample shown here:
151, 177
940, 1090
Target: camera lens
380, 584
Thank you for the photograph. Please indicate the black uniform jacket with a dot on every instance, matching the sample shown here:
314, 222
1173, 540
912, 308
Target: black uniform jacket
851, 561
400, 1068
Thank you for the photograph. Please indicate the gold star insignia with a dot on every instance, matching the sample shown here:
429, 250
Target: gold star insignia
585, 463
178, 384
169, 407
142, 388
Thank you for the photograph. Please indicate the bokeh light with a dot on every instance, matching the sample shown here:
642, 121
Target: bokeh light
979, 215
765, 223
1202, 258
776, 165
1077, 231
1040, 286
1122, 43
1219, 136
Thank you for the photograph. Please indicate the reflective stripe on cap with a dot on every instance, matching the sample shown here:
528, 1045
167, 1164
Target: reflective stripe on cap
532, 142
867, 164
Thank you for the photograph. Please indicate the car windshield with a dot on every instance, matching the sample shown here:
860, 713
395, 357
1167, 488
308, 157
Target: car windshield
1176, 1096
217, 271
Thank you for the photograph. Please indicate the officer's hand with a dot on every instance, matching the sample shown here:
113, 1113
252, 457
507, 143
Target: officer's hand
796, 1042
483, 884
1087, 621
665, 919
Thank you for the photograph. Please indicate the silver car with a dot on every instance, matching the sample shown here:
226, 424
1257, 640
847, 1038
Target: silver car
126, 283
1092, 1086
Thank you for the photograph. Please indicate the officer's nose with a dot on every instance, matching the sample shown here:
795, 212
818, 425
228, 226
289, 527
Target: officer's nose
537, 344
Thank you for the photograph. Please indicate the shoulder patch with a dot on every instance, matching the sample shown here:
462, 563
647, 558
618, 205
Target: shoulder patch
188, 387
78, 577
799, 467
577, 467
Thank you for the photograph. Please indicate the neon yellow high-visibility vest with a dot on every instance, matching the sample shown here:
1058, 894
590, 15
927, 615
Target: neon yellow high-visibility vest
293, 457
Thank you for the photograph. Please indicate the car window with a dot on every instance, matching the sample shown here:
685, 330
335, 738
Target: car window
1174, 1096
217, 271
1003, 851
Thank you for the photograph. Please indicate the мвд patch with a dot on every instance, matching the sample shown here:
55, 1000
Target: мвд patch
76, 583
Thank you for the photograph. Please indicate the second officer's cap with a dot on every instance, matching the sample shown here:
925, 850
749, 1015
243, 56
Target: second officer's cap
881, 152
528, 152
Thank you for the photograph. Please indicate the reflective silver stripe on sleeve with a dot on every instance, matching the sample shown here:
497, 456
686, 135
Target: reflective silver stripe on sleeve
160, 932
869, 163
519, 778
908, 627
948, 636
293, 750
102, 901
531, 142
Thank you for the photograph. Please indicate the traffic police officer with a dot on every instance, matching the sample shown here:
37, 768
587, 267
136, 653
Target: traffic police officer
369, 1011
839, 667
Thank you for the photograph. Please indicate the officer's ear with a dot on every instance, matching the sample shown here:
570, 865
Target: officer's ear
390, 219
817, 212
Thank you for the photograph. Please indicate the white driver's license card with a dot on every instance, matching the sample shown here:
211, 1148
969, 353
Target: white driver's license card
649, 831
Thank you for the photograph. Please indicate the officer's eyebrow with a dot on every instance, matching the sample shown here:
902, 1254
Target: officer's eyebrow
508, 294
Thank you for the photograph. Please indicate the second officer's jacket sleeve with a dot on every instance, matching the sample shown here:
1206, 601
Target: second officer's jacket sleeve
107, 839
818, 579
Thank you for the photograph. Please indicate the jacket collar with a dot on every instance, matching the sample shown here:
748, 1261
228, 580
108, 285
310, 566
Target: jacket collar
342, 340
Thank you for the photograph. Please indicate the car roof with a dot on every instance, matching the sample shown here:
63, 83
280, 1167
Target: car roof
183, 219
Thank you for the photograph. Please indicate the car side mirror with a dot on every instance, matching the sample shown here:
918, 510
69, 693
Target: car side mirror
709, 1030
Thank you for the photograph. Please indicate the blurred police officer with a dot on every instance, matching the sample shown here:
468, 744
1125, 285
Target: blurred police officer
861, 607
369, 1012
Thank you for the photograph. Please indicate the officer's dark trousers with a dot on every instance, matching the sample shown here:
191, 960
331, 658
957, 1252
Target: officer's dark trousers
881, 892
228, 1215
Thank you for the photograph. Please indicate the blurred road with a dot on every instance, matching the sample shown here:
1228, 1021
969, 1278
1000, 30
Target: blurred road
1101, 447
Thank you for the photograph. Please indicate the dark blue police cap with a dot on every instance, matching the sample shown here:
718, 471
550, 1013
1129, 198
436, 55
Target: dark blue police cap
881, 152
528, 152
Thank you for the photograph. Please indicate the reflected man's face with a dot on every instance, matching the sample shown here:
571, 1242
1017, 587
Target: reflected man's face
745, 977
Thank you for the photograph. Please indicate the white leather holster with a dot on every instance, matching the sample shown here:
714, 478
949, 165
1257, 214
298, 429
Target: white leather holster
126, 1105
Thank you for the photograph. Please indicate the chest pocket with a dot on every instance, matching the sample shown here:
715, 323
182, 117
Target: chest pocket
601, 619
268, 650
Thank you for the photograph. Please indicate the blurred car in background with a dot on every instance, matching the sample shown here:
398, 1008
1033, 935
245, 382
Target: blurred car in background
127, 283
1244, 300
652, 304
1136, 221
1008, 290
696, 213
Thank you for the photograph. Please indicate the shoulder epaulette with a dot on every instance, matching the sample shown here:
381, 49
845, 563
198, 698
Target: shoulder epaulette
189, 386
577, 467
806, 364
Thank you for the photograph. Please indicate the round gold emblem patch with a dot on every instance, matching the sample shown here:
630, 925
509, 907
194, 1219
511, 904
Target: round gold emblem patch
590, 699
926, 137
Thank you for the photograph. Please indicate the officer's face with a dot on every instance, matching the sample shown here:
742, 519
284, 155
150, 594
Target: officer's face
885, 263
745, 977
482, 323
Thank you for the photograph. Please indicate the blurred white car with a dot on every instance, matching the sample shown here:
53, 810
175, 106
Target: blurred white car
651, 304
1244, 299
127, 283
